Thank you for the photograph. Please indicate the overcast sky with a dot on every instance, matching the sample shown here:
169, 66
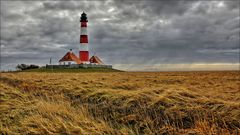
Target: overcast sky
129, 34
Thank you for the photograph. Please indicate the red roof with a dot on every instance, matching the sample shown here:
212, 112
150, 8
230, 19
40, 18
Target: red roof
95, 59
70, 56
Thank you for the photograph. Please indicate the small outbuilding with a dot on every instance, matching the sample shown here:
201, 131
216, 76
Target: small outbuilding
69, 58
95, 60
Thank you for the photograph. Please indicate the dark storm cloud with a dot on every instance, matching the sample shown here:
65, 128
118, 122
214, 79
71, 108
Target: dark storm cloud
122, 32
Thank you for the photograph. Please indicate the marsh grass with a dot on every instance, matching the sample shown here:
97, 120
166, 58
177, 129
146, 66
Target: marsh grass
120, 103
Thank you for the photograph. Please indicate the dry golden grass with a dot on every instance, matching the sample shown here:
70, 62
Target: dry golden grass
120, 103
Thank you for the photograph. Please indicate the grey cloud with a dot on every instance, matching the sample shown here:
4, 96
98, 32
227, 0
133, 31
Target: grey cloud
122, 32
232, 4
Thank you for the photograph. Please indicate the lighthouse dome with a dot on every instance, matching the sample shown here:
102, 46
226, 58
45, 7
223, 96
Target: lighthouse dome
83, 17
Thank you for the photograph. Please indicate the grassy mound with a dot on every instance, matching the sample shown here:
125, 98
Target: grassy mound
120, 103
58, 70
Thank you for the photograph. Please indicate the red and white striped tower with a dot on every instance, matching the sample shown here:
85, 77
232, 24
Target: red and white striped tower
83, 53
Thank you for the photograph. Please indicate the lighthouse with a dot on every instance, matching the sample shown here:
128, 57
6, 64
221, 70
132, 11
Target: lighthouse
83, 53
71, 59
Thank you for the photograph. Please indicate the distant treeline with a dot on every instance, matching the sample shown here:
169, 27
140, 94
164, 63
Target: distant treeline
25, 66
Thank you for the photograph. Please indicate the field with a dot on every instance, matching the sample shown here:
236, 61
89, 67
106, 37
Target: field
120, 103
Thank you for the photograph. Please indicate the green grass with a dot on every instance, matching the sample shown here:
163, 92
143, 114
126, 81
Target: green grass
56, 70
